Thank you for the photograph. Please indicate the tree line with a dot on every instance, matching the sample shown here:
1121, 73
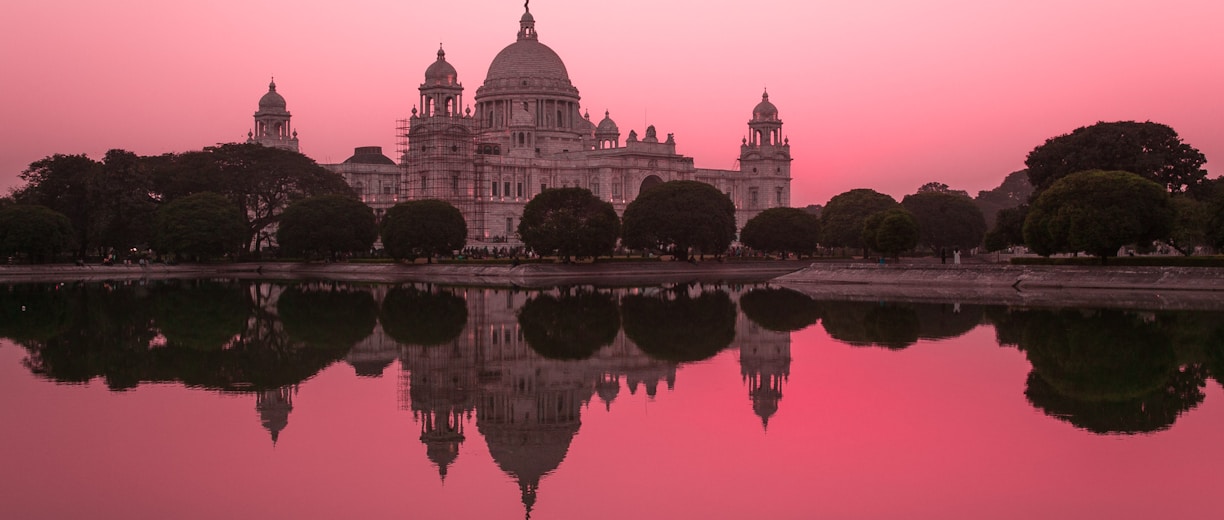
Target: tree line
1094, 190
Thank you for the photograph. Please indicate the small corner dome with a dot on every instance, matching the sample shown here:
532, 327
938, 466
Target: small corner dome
272, 100
369, 155
440, 72
765, 110
607, 125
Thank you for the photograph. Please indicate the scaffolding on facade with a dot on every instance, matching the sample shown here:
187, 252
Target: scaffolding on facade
439, 160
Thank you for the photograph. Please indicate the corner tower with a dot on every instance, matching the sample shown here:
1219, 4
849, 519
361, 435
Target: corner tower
765, 158
272, 122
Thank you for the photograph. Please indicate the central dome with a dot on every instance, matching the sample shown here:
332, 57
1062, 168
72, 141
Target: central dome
527, 59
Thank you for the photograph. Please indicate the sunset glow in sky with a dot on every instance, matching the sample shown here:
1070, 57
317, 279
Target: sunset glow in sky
885, 95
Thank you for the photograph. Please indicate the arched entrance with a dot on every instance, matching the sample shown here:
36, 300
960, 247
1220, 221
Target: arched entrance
649, 182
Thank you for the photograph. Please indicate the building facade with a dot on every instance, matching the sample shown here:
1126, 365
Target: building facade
527, 132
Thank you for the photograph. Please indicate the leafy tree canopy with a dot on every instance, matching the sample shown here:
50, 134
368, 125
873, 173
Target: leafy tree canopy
946, 219
326, 224
1009, 228
1014, 191
203, 225
1098, 212
1151, 150
782, 230
423, 228
841, 222
939, 187
891, 231
569, 222
38, 232
679, 215
262, 181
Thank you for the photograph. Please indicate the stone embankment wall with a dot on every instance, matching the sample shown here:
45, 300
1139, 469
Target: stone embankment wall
1105, 286
528, 275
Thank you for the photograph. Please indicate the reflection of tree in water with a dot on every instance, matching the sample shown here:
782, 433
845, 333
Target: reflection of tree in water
200, 314
116, 331
33, 312
887, 325
946, 320
1197, 335
107, 334
569, 326
422, 317
675, 326
1106, 371
327, 315
780, 310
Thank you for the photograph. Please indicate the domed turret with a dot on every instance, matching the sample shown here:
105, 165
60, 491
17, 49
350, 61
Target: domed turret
440, 72
441, 93
765, 111
271, 101
607, 125
607, 134
272, 122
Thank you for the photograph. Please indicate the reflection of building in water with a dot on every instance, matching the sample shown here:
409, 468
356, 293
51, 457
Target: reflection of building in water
370, 356
764, 365
274, 407
528, 407
439, 385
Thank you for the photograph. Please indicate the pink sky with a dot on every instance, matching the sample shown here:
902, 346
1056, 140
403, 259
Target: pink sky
885, 95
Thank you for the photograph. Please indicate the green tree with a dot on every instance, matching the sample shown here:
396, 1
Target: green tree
1009, 228
121, 199
423, 228
569, 222
782, 230
680, 215
1014, 191
204, 225
1098, 212
37, 232
891, 231
841, 222
1214, 213
63, 183
939, 187
1151, 150
946, 220
326, 225
261, 181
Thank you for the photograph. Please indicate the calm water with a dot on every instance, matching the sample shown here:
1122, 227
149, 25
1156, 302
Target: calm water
227, 399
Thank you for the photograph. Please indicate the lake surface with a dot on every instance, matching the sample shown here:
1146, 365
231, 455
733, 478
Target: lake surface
248, 399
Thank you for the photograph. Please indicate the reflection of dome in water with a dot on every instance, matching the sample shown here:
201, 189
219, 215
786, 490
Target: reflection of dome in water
528, 452
274, 407
608, 387
370, 367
